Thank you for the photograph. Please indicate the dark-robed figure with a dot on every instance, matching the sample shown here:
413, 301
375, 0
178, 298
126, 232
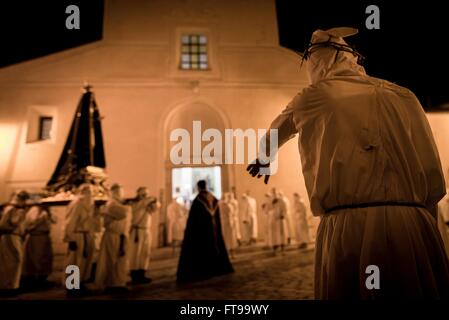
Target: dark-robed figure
203, 253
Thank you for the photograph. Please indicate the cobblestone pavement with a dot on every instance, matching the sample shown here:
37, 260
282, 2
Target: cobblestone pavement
284, 276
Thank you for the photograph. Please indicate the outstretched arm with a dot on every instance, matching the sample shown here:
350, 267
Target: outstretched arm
285, 128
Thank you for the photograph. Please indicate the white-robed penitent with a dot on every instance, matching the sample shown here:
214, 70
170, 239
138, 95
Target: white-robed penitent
140, 235
248, 218
235, 208
81, 223
176, 221
267, 209
288, 215
279, 226
229, 222
300, 221
373, 174
112, 266
38, 253
12, 225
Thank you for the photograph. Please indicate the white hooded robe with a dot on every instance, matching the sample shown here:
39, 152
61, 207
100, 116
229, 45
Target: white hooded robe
267, 209
113, 265
363, 140
80, 226
176, 221
248, 217
279, 225
140, 236
228, 224
11, 247
301, 226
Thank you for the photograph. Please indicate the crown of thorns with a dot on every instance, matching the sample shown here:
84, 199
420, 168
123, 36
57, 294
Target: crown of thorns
337, 46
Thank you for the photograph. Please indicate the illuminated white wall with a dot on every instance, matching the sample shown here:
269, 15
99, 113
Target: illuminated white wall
439, 123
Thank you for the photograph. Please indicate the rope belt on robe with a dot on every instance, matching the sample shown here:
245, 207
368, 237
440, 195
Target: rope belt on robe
39, 233
136, 228
84, 233
10, 232
376, 204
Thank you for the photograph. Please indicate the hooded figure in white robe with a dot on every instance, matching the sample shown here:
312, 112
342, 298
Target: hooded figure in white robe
253, 221
280, 232
372, 172
140, 235
288, 215
229, 223
235, 207
300, 221
12, 229
176, 221
267, 209
81, 223
248, 217
38, 258
112, 265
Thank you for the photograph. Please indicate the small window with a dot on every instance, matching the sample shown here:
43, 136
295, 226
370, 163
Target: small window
45, 124
194, 52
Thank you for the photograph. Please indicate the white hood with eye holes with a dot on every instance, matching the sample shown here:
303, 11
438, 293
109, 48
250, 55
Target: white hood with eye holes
323, 62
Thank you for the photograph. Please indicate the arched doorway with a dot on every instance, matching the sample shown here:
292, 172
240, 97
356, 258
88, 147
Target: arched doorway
180, 179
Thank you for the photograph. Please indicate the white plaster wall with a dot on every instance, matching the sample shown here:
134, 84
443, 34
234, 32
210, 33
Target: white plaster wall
439, 123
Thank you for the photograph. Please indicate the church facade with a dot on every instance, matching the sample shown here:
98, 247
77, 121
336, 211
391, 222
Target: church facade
160, 66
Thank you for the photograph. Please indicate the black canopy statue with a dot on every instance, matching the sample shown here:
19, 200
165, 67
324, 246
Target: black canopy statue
82, 159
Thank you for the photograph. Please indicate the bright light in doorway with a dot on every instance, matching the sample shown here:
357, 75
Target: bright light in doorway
184, 181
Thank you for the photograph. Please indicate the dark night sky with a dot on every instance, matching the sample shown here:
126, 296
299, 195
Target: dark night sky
30, 29
409, 49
